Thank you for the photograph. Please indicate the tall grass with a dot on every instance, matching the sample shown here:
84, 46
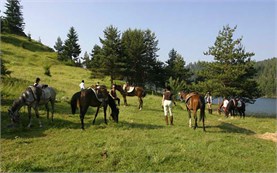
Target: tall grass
140, 142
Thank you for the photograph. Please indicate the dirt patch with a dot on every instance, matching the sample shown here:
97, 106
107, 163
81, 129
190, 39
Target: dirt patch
268, 136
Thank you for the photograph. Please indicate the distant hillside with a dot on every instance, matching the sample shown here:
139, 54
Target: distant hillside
266, 76
27, 60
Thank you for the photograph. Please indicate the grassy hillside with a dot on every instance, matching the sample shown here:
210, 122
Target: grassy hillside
140, 142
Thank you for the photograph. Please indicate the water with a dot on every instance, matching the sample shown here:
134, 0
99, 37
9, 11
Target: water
262, 106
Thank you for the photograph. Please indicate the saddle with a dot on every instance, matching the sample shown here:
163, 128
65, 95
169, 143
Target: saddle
189, 96
100, 92
130, 89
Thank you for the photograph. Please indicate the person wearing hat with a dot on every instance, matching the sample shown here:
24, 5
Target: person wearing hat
209, 101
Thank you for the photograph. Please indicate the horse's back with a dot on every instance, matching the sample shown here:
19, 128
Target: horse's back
49, 93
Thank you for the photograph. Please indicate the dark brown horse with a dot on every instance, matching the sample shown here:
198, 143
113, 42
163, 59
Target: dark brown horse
194, 101
94, 98
235, 105
132, 91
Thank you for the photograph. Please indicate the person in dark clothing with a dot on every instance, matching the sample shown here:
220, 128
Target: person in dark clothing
38, 89
114, 95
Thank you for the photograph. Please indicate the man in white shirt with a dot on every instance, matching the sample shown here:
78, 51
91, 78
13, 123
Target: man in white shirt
82, 85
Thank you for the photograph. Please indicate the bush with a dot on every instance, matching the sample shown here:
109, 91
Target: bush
47, 70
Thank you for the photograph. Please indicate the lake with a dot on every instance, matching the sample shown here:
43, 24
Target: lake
262, 106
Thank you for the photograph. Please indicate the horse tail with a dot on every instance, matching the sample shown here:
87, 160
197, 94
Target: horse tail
202, 108
74, 102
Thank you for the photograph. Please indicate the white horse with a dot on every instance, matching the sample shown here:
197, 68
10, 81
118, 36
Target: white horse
29, 98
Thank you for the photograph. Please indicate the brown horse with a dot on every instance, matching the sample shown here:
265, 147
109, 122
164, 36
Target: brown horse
91, 97
194, 101
132, 91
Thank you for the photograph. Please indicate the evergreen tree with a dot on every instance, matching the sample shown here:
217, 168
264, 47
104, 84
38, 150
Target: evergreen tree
176, 66
59, 48
232, 72
71, 47
96, 62
87, 62
13, 22
111, 52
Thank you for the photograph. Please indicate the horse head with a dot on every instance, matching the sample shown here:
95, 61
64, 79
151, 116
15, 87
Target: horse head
14, 115
114, 114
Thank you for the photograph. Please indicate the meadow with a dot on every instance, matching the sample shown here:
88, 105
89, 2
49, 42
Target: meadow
140, 142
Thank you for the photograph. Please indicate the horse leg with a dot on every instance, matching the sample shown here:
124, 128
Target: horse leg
140, 103
83, 111
47, 109
125, 100
195, 119
189, 118
95, 115
37, 115
105, 115
30, 117
52, 110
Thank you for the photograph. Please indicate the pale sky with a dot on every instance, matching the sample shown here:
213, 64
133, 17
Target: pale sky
188, 26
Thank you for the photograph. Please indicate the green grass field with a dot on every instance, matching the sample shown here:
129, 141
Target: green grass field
140, 142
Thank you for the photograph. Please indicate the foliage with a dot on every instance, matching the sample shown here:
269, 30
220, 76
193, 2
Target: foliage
176, 66
233, 70
47, 70
4, 70
71, 48
59, 48
13, 22
266, 76
176, 85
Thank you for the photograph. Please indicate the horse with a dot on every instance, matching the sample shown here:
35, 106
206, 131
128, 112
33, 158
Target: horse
132, 91
28, 98
194, 101
235, 105
90, 97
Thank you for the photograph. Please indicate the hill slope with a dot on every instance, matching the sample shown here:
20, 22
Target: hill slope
27, 60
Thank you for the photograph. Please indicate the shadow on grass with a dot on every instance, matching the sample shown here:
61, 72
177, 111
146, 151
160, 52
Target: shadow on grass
229, 128
131, 125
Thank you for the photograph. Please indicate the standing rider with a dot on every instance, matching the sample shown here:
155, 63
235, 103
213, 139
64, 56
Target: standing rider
38, 89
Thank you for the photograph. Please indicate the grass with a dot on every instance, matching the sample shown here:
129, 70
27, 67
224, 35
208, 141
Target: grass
140, 142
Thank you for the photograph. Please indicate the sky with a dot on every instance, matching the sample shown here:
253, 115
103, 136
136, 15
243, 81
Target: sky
188, 26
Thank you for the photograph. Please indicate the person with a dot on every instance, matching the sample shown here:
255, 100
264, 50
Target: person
225, 103
82, 85
209, 101
114, 95
167, 104
38, 89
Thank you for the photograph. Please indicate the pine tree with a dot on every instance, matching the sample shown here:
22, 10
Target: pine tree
232, 72
59, 48
111, 52
13, 22
72, 49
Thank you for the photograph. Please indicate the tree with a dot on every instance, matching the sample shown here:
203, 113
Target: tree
96, 62
13, 22
232, 72
176, 66
71, 47
59, 48
87, 62
111, 52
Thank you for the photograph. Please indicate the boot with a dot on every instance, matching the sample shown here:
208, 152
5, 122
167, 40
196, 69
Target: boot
166, 120
211, 111
171, 120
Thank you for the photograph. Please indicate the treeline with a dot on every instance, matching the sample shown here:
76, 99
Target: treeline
266, 76
131, 55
